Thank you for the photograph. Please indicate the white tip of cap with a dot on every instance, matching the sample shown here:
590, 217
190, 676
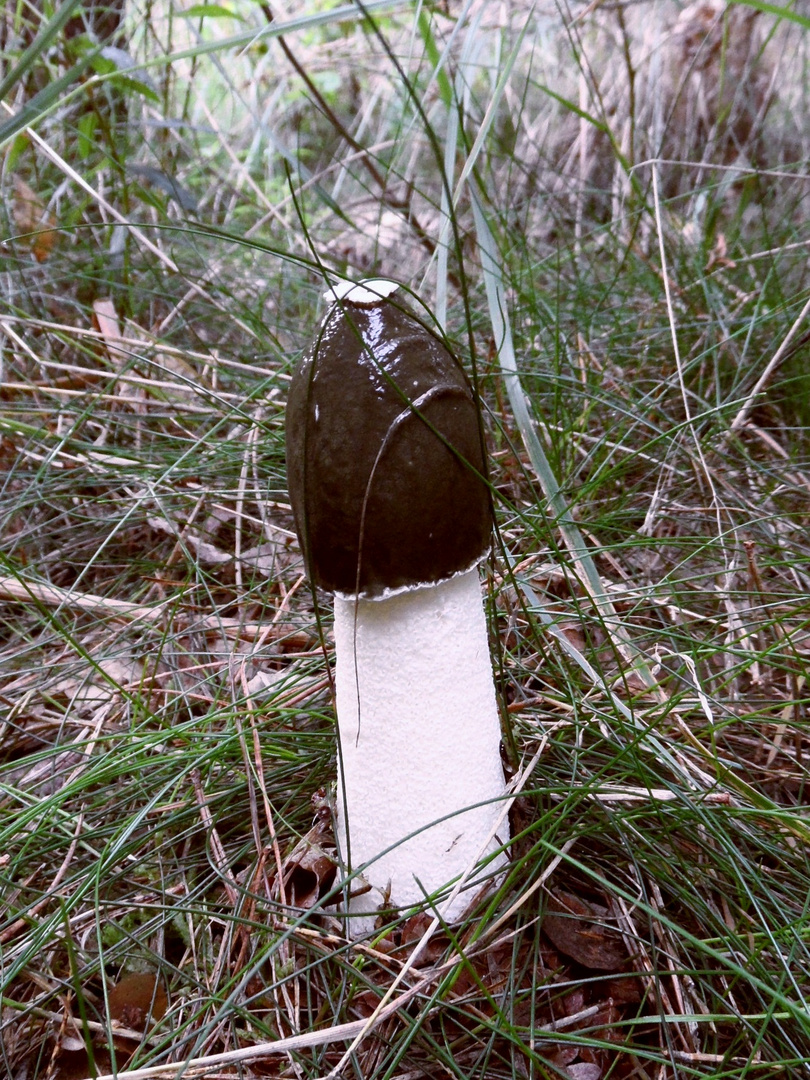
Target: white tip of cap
365, 293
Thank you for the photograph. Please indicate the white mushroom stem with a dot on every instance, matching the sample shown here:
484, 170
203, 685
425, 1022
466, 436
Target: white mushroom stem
419, 738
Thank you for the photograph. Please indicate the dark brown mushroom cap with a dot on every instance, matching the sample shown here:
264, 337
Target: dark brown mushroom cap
384, 454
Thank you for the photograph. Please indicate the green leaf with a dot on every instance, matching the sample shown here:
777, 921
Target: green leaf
209, 11
17, 147
87, 127
128, 82
103, 65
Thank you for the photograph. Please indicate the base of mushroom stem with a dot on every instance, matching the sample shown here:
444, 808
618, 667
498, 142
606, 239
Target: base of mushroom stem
421, 786
368, 908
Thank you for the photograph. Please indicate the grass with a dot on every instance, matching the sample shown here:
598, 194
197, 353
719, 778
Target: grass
606, 208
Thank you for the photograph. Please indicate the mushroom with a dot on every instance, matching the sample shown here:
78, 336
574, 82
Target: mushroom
387, 479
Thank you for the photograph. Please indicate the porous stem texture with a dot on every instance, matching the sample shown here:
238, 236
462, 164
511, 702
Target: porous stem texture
420, 739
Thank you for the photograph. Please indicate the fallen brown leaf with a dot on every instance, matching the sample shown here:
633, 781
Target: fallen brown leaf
309, 870
33, 219
576, 928
137, 998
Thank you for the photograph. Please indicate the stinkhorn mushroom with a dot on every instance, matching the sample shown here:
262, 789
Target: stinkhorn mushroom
387, 479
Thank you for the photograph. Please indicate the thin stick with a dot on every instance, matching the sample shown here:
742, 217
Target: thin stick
12, 588
198, 1066
32, 592
341, 1032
